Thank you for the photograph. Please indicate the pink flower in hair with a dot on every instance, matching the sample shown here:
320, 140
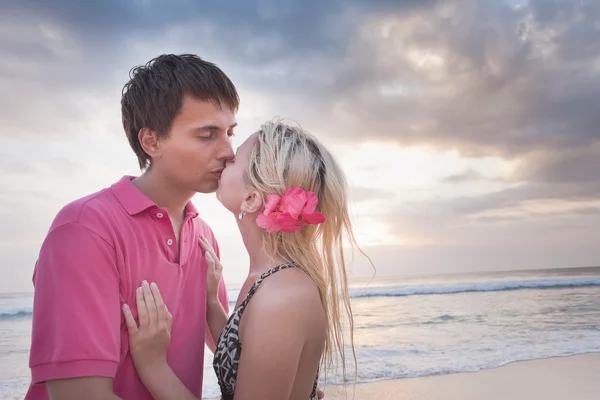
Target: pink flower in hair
290, 212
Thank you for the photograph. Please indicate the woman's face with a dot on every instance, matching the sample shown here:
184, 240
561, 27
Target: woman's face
232, 188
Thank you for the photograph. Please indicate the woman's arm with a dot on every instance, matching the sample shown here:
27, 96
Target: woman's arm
163, 384
148, 345
216, 317
149, 342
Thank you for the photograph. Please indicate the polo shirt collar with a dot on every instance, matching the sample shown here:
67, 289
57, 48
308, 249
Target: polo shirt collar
134, 201
190, 210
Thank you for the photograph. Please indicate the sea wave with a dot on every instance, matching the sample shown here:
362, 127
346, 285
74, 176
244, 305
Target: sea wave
21, 312
429, 288
475, 286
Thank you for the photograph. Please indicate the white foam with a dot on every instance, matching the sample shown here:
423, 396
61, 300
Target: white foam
474, 286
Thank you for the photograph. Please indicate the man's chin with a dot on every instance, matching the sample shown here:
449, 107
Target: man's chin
208, 187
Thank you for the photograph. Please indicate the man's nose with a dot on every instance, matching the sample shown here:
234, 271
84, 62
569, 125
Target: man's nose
226, 152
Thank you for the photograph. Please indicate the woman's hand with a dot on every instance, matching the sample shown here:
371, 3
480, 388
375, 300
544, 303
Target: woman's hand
214, 271
148, 345
149, 342
216, 317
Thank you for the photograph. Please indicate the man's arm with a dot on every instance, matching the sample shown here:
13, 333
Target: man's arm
76, 315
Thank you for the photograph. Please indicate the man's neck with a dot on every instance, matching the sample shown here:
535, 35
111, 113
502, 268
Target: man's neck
164, 193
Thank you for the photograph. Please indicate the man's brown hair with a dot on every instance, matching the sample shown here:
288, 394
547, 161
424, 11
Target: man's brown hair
153, 96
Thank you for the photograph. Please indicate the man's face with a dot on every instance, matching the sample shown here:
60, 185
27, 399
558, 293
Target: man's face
198, 146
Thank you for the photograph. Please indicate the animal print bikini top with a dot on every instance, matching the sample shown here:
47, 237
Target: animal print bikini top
229, 347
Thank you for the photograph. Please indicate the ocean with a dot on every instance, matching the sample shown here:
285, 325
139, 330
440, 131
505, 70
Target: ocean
416, 326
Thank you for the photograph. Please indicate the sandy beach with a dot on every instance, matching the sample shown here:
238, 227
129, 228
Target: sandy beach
562, 378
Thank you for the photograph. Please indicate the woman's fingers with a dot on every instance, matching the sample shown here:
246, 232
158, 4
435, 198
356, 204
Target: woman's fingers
214, 268
210, 255
209, 259
207, 247
214, 264
141, 307
161, 315
132, 327
150, 306
169, 318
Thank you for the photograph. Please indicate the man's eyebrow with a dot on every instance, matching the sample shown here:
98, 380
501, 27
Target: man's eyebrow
212, 127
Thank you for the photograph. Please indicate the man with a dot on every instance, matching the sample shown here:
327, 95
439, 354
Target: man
179, 113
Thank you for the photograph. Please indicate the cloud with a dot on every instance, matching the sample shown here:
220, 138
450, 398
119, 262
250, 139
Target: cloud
360, 193
460, 82
514, 196
523, 224
564, 165
570, 175
466, 176
427, 259
482, 76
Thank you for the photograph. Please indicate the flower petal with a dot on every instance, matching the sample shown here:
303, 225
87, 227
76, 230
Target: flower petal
271, 203
268, 222
311, 203
288, 223
313, 218
293, 201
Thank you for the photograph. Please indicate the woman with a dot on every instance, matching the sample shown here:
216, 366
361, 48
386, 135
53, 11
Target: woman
289, 196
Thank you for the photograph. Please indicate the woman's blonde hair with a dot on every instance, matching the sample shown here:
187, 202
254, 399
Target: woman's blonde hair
286, 156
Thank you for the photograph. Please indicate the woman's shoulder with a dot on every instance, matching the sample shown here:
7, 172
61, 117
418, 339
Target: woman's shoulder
291, 284
288, 292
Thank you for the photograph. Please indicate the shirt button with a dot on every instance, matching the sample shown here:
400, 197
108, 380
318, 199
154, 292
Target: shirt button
159, 215
170, 242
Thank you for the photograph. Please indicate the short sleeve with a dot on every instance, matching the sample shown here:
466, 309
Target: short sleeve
76, 311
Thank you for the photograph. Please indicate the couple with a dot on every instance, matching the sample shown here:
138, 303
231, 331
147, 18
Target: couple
128, 285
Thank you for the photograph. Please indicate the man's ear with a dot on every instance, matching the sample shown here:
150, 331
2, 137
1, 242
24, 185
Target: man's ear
253, 202
149, 142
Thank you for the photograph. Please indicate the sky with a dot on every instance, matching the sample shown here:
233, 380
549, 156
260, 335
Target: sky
469, 130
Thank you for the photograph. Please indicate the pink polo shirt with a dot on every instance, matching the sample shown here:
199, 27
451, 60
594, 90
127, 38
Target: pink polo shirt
97, 252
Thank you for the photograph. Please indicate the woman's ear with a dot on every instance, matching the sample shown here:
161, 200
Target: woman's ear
149, 142
253, 202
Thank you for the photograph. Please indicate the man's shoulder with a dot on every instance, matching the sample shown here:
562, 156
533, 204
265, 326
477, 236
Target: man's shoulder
88, 210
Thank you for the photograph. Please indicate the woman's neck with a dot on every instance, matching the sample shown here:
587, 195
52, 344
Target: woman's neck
260, 261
